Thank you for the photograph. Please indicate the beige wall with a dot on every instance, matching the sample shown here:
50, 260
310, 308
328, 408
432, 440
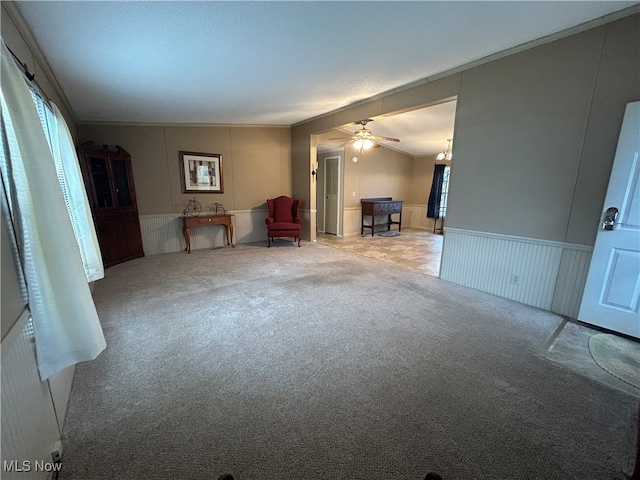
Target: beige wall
379, 172
256, 163
535, 132
526, 130
422, 177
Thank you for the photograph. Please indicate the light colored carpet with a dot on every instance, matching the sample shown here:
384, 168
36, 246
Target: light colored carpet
618, 356
313, 363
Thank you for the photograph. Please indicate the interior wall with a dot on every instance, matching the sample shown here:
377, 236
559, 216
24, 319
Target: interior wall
423, 178
256, 163
525, 128
379, 172
418, 196
535, 132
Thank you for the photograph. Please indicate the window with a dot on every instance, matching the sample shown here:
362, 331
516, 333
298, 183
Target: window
72, 186
444, 194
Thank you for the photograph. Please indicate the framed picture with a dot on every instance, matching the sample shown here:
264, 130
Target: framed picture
201, 172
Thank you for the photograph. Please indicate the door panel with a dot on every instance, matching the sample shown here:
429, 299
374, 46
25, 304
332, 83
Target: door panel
612, 291
332, 178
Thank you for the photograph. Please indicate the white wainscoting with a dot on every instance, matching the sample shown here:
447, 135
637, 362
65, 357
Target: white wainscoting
29, 425
415, 216
163, 233
351, 219
544, 274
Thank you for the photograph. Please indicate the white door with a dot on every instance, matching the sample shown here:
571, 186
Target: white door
613, 284
331, 182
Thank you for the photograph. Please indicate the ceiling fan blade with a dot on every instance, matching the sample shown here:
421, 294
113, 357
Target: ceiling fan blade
388, 139
339, 138
346, 143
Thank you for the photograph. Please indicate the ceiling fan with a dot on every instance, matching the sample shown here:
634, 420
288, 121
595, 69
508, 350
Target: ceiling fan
363, 139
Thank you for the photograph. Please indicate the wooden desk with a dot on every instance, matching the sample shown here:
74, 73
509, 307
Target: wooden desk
380, 206
192, 222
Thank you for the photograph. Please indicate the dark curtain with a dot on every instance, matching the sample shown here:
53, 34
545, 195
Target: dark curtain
433, 207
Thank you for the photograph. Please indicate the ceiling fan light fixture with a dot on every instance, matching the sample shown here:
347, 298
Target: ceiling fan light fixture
446, 154
362, 144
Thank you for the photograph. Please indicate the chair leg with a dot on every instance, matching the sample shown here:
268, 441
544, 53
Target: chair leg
268, 241
298, 241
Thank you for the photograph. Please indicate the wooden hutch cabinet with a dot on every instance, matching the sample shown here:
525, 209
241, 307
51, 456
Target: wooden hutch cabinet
108, 179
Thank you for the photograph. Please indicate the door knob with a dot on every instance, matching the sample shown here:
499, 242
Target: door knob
609, 218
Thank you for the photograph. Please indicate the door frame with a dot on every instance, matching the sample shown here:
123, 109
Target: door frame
339, 157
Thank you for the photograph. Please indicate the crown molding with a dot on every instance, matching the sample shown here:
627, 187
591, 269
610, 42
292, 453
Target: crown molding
25, 31
596, 22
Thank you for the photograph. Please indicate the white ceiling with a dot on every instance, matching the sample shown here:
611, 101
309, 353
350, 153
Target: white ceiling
421, 132
274, 63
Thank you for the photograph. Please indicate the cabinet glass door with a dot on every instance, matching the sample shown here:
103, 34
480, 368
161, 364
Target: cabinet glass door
121, 182
100, 178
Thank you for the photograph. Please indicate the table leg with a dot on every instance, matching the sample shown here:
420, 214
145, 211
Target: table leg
187, 239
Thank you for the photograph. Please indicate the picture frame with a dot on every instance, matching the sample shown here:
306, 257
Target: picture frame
201, 172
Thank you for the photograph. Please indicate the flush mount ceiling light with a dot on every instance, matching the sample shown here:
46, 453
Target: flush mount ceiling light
363, 139
446, 154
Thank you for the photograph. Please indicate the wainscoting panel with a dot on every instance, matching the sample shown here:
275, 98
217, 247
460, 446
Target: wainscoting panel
249, 225
572, 278
544, 274
351, 219
415, 216
29, 425
163, 233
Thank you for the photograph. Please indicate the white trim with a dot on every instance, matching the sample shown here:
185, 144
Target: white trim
609, 18
38, 57
538, 241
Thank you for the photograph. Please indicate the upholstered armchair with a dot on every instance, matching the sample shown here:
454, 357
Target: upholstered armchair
283, 219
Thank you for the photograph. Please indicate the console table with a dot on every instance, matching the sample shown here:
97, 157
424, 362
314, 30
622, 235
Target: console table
380, 206
192, 222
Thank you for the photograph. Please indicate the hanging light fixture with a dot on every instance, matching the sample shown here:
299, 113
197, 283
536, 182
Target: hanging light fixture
362, 144
446, 154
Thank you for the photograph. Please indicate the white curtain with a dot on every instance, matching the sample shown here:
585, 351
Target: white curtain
76, 200
66, 325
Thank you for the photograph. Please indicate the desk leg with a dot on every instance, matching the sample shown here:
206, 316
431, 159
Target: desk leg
229, 229
187, 239
400, 222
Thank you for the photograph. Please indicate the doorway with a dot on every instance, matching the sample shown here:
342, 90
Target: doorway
331, 194
329, 201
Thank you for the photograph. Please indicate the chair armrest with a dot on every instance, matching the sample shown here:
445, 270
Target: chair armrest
297, 220
269, 221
